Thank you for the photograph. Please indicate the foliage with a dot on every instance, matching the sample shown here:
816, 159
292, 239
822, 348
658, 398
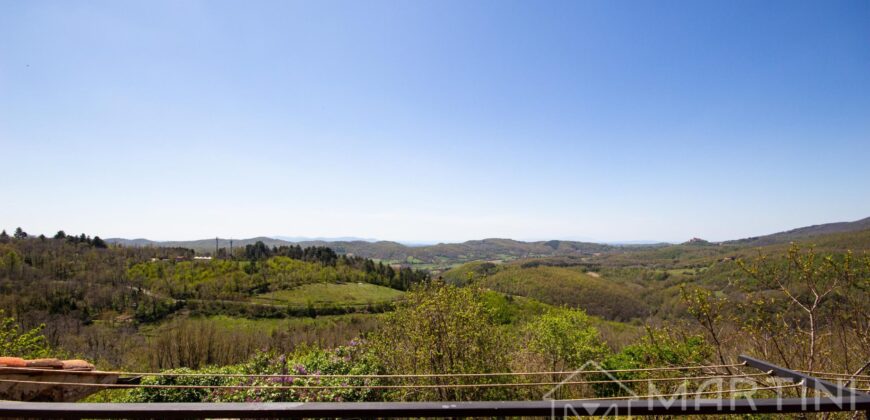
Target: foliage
331, 293
28, 344
568, 286
819, 297
225, 340
707, 310
440, 328
158, 308
301, 368
659, 348
565, 339
10, 260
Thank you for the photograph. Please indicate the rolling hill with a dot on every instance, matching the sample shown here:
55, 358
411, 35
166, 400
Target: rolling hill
486, 249
804, 233
557, 286
447, 254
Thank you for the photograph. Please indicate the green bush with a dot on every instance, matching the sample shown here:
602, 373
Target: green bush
300, 369
29, 344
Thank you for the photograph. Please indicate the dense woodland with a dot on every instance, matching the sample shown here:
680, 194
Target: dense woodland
95, 300
804, 306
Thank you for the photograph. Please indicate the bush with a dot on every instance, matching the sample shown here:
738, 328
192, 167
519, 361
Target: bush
28, 344
443, 329
565, 339
301, 368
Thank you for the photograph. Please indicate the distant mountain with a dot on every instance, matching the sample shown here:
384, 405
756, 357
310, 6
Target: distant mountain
640, 242
804, 233
486, 249
309, 239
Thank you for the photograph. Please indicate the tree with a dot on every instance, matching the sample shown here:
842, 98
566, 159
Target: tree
708, 311
4, 237
60, 235
809, 285
442, 329
99, 243
257, 251
19, 234
565, 339
10, 261
658, 348
28, 344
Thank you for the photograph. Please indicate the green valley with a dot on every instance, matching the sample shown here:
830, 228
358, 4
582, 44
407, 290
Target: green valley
623, 306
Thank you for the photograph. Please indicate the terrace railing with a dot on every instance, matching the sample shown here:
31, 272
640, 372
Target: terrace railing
816, 395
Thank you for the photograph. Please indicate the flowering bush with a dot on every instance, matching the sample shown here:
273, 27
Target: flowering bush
303, 371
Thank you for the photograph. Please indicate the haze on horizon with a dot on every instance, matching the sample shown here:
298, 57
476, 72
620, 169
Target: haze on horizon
433, 121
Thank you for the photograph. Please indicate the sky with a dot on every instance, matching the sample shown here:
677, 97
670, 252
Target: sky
429, 121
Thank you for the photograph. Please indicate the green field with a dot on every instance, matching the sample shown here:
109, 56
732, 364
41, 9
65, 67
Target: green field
263, 326
331, 294
269, 325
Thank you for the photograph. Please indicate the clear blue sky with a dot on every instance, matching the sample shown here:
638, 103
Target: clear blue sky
434, 120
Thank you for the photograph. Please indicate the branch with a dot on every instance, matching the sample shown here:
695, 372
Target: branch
857, 372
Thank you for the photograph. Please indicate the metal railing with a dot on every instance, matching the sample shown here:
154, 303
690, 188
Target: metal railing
839, 398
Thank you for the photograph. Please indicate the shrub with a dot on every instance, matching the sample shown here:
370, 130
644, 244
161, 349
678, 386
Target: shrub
29, 344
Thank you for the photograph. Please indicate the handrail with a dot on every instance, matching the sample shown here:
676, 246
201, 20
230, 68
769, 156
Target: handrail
420, 409
676, 404
810, 381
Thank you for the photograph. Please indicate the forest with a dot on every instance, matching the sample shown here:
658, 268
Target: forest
294, 310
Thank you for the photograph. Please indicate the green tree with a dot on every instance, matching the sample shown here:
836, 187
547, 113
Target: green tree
10, 260
60, 235
4, 237
708, 311
565, 339
815, 289
442, 329
659, 348
28, 344
19, 233
99, 243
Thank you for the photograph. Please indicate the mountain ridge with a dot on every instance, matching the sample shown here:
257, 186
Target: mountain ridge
483, 249
803, 233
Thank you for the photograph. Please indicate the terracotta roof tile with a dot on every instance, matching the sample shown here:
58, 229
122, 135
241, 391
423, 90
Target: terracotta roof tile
13, 362
73, 364
45, 363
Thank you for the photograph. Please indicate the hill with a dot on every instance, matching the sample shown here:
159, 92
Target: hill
444, 255
440, 254
556, 285
804, 233
121, 300
199, 245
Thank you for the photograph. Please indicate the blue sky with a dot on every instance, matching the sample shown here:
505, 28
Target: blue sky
434, 120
